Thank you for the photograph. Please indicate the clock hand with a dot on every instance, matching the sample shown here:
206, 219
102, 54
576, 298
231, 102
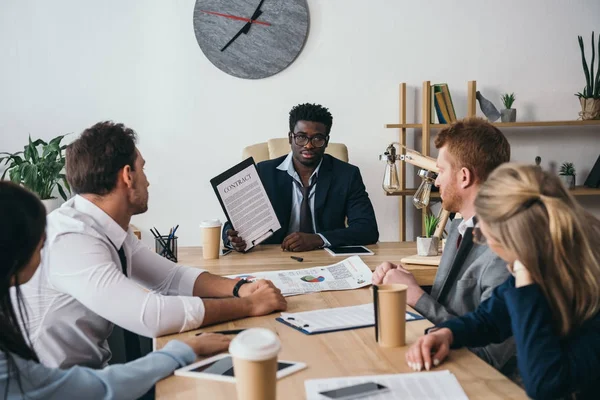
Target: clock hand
245, 29
257, 12
237, 18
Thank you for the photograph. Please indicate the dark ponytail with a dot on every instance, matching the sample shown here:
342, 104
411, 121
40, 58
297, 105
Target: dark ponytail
22, 227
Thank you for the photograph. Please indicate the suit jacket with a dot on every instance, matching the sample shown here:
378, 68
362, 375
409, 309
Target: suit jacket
466, 277
339, 193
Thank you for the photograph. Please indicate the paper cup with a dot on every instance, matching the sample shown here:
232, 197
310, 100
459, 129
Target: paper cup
254, 353
211, 238
391, 315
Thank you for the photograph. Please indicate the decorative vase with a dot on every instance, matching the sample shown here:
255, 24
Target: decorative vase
487, 107
52, 204
509, 115
568, 181
427, 246
590, 108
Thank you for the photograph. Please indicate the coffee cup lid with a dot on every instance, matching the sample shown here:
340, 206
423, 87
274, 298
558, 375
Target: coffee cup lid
210, 223
255, 344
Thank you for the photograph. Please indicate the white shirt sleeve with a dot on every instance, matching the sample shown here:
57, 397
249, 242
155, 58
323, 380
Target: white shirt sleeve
159, 274
116, 382
83, 267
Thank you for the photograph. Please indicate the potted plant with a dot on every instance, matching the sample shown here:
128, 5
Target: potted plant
590, 97
40, 168
428, 245
567, 174
509, 114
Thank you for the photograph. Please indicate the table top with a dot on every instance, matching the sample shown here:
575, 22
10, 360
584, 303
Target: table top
346, 353
272, 258
336, 354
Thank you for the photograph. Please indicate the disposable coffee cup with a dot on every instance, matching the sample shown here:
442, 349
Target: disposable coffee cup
211, 238
254, 353
391, 314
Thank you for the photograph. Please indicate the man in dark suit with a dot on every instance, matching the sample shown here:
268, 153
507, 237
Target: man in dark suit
469, 150
312, 192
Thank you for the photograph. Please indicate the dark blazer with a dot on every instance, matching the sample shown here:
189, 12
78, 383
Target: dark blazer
340, 193
551, 366
465, 278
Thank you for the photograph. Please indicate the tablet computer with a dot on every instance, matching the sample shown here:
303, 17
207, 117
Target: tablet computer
349, 251
220, 368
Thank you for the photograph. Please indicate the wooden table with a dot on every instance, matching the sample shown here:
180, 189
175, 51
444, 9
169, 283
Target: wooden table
346, 353
272, 258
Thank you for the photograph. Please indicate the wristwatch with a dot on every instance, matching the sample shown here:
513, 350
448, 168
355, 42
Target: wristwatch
236, 288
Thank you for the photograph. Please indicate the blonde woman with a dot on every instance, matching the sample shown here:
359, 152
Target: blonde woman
551, 303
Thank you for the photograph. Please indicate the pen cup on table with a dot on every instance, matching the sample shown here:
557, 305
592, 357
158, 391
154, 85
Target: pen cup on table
254, 353
166, 246
211, 238
390, 314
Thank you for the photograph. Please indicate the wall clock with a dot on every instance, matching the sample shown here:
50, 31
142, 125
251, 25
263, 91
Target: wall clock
251, 39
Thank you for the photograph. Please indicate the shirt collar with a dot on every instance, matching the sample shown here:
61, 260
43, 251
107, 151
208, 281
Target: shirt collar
288, 166
464, 225
104, 222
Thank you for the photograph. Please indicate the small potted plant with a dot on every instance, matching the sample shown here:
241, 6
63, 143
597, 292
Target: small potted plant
567, 174
39, 168
590, 97
509, 114
428, 245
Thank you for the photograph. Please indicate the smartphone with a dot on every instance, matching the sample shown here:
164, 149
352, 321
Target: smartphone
355, 391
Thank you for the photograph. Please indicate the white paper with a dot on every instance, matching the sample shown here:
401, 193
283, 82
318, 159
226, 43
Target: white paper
248, 206
332, 319
434, 385
352, 273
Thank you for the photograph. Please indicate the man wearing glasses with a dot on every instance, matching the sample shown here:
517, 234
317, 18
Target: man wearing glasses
469, 150
313, 193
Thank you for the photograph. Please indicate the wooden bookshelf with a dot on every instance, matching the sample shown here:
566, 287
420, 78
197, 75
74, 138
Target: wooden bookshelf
424, 129
528, 124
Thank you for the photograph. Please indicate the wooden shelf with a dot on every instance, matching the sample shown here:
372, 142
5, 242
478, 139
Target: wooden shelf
593, 122
585, 191
411, 192
578, 191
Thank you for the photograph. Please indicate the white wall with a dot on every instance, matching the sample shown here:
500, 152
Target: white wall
67, 64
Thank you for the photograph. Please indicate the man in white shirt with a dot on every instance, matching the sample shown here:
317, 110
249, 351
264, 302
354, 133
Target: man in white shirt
96, 273
469, 150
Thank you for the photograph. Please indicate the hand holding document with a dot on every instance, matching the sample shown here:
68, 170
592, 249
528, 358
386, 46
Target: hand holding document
245, 203
352, 273
437, 385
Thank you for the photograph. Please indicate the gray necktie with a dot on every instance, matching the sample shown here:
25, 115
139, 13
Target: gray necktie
306, 224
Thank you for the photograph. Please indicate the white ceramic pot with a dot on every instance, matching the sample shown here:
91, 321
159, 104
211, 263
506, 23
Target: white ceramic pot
52, 204
427, 246
568, 181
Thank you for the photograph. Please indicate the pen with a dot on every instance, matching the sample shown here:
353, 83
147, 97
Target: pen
299, 259
226, 332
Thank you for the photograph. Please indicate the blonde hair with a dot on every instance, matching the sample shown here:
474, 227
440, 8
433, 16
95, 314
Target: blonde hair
530, 213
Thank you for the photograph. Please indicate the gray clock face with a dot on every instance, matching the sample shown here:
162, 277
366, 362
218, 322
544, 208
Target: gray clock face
251, 50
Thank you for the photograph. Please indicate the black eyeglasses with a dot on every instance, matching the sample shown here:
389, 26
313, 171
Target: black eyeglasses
317, 141
478, 237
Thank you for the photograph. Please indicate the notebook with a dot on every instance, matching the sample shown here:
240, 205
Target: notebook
334, 319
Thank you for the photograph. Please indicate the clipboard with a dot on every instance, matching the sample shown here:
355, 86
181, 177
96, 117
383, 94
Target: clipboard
302, 321
230, 181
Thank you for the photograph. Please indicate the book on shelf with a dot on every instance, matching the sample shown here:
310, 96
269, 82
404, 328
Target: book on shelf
442, 111
442, 105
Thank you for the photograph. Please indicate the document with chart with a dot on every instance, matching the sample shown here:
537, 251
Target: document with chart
245, 202
352, 273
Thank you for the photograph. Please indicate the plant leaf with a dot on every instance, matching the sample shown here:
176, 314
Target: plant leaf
61, 191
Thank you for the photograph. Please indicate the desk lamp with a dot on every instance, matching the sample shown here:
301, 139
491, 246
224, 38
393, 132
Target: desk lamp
428, 172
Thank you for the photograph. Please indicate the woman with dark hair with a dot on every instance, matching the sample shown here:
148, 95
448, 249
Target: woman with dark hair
22, 235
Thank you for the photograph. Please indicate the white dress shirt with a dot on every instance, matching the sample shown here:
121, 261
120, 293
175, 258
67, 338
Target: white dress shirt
297, 196
464, 225
79, 291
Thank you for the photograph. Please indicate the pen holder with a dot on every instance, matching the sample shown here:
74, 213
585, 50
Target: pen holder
166, 247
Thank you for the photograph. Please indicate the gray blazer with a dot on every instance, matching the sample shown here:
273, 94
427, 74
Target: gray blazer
465, 278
